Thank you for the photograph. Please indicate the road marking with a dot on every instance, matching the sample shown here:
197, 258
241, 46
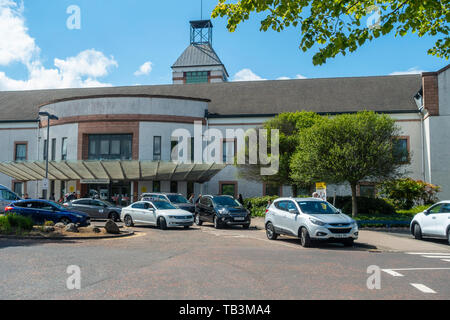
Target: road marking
437, 257
429, 253
392, 273
446, 260
422, 288
417, 269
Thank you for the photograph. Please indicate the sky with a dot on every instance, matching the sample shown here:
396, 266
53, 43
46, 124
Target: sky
134, 42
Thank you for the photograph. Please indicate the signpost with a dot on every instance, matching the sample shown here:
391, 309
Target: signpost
321, 189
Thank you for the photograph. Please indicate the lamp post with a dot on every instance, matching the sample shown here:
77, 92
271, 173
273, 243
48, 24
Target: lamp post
49, 117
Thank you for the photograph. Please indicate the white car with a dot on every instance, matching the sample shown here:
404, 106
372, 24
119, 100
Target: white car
156, 213
433, 222
309, 219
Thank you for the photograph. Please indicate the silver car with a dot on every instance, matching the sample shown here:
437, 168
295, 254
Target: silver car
309, 219
6, 197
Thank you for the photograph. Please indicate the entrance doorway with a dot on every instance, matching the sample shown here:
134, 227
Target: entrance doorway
118, 192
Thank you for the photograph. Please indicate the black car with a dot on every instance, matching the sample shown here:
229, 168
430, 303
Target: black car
96, 209
222, 211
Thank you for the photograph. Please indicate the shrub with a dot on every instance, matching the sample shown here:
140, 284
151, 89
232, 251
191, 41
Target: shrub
20, 222
5, 226
49, 224
257, 206
365, 205
406, 193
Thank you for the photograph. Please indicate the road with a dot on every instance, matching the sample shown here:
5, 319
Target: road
204, 263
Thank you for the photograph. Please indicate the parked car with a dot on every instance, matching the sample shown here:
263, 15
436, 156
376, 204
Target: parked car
6, 197
222, 211
42, 210
96, 209
175, 199
309, 219
158, 213
433, 222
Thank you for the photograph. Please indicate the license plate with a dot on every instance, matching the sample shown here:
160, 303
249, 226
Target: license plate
239, 219
340, 236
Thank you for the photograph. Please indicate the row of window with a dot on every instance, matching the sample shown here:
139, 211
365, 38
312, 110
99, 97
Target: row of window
53, 149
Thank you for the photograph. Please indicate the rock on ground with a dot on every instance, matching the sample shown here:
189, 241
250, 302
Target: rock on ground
112, 227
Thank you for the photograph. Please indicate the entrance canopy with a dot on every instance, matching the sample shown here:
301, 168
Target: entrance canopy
111, 170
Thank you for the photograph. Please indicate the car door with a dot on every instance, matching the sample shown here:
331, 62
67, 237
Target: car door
82, 205
279, 212
148, 213
45, 212
290, 218
97, 209
441, 220
209, 209
136, 212
428, 223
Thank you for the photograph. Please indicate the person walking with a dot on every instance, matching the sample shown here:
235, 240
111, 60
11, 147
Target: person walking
241, 199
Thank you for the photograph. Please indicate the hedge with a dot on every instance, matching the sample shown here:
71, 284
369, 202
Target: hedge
369, 206
12, 222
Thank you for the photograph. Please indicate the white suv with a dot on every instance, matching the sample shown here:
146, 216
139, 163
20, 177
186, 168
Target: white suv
433, 222
309, 219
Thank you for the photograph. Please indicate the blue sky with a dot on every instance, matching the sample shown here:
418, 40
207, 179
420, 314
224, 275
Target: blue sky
118, 37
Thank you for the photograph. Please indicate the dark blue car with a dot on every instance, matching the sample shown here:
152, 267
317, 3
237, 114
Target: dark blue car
42, 210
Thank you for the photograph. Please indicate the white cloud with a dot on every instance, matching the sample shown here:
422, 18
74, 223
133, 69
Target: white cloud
145, 69
16, 45
413, 70
299, 76
246, 75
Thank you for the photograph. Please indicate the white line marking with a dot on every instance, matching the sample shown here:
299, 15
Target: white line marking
418, 269
429, 253
446, 260
422, 288
436, 257
392, 273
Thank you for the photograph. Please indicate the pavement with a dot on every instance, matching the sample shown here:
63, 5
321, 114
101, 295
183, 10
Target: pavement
203, 263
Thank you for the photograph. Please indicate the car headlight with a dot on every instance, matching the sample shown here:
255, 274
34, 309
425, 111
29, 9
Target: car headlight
223, 211
317, 222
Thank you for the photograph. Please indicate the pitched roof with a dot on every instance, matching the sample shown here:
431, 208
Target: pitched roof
331, 95
198, 55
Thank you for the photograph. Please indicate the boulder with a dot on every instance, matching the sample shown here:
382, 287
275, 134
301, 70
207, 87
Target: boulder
112, 227
49, 229
60, 225
71, 227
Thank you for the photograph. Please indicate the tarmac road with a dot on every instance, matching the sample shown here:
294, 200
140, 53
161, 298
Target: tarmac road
204, 263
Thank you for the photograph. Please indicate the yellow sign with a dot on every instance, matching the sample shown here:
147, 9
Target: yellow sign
72, 188
143, 189
321, 185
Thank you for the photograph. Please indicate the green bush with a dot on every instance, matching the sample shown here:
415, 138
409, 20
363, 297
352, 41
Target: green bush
406, 193
5, 226
257, 206
365, 205
20, 222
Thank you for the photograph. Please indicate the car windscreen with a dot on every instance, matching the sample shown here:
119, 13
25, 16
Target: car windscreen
226, 202
163, 205
176, 198
316, 207
107, 203
58, 206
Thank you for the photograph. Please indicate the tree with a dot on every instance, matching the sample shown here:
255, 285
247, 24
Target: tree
289, 126
348, 148
339, 26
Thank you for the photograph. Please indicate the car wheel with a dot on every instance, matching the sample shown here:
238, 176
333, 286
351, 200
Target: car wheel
349, 242
66, 221
417, 232
128, 221
162, 223
305, 240
270, 232
197, 220
217, 224
114, 216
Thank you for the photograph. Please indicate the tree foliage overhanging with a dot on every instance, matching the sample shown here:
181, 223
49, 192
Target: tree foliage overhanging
339, 26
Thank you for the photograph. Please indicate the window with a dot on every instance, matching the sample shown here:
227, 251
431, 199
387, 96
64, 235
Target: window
18, 188
173, 150
401, 150
228, 148
272, 189
174, 187
157, 148
53, 149
64, 149
197, 77
7, 195
45, 149
20, 152
110, 147
228, 189
367, 191
156, 186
